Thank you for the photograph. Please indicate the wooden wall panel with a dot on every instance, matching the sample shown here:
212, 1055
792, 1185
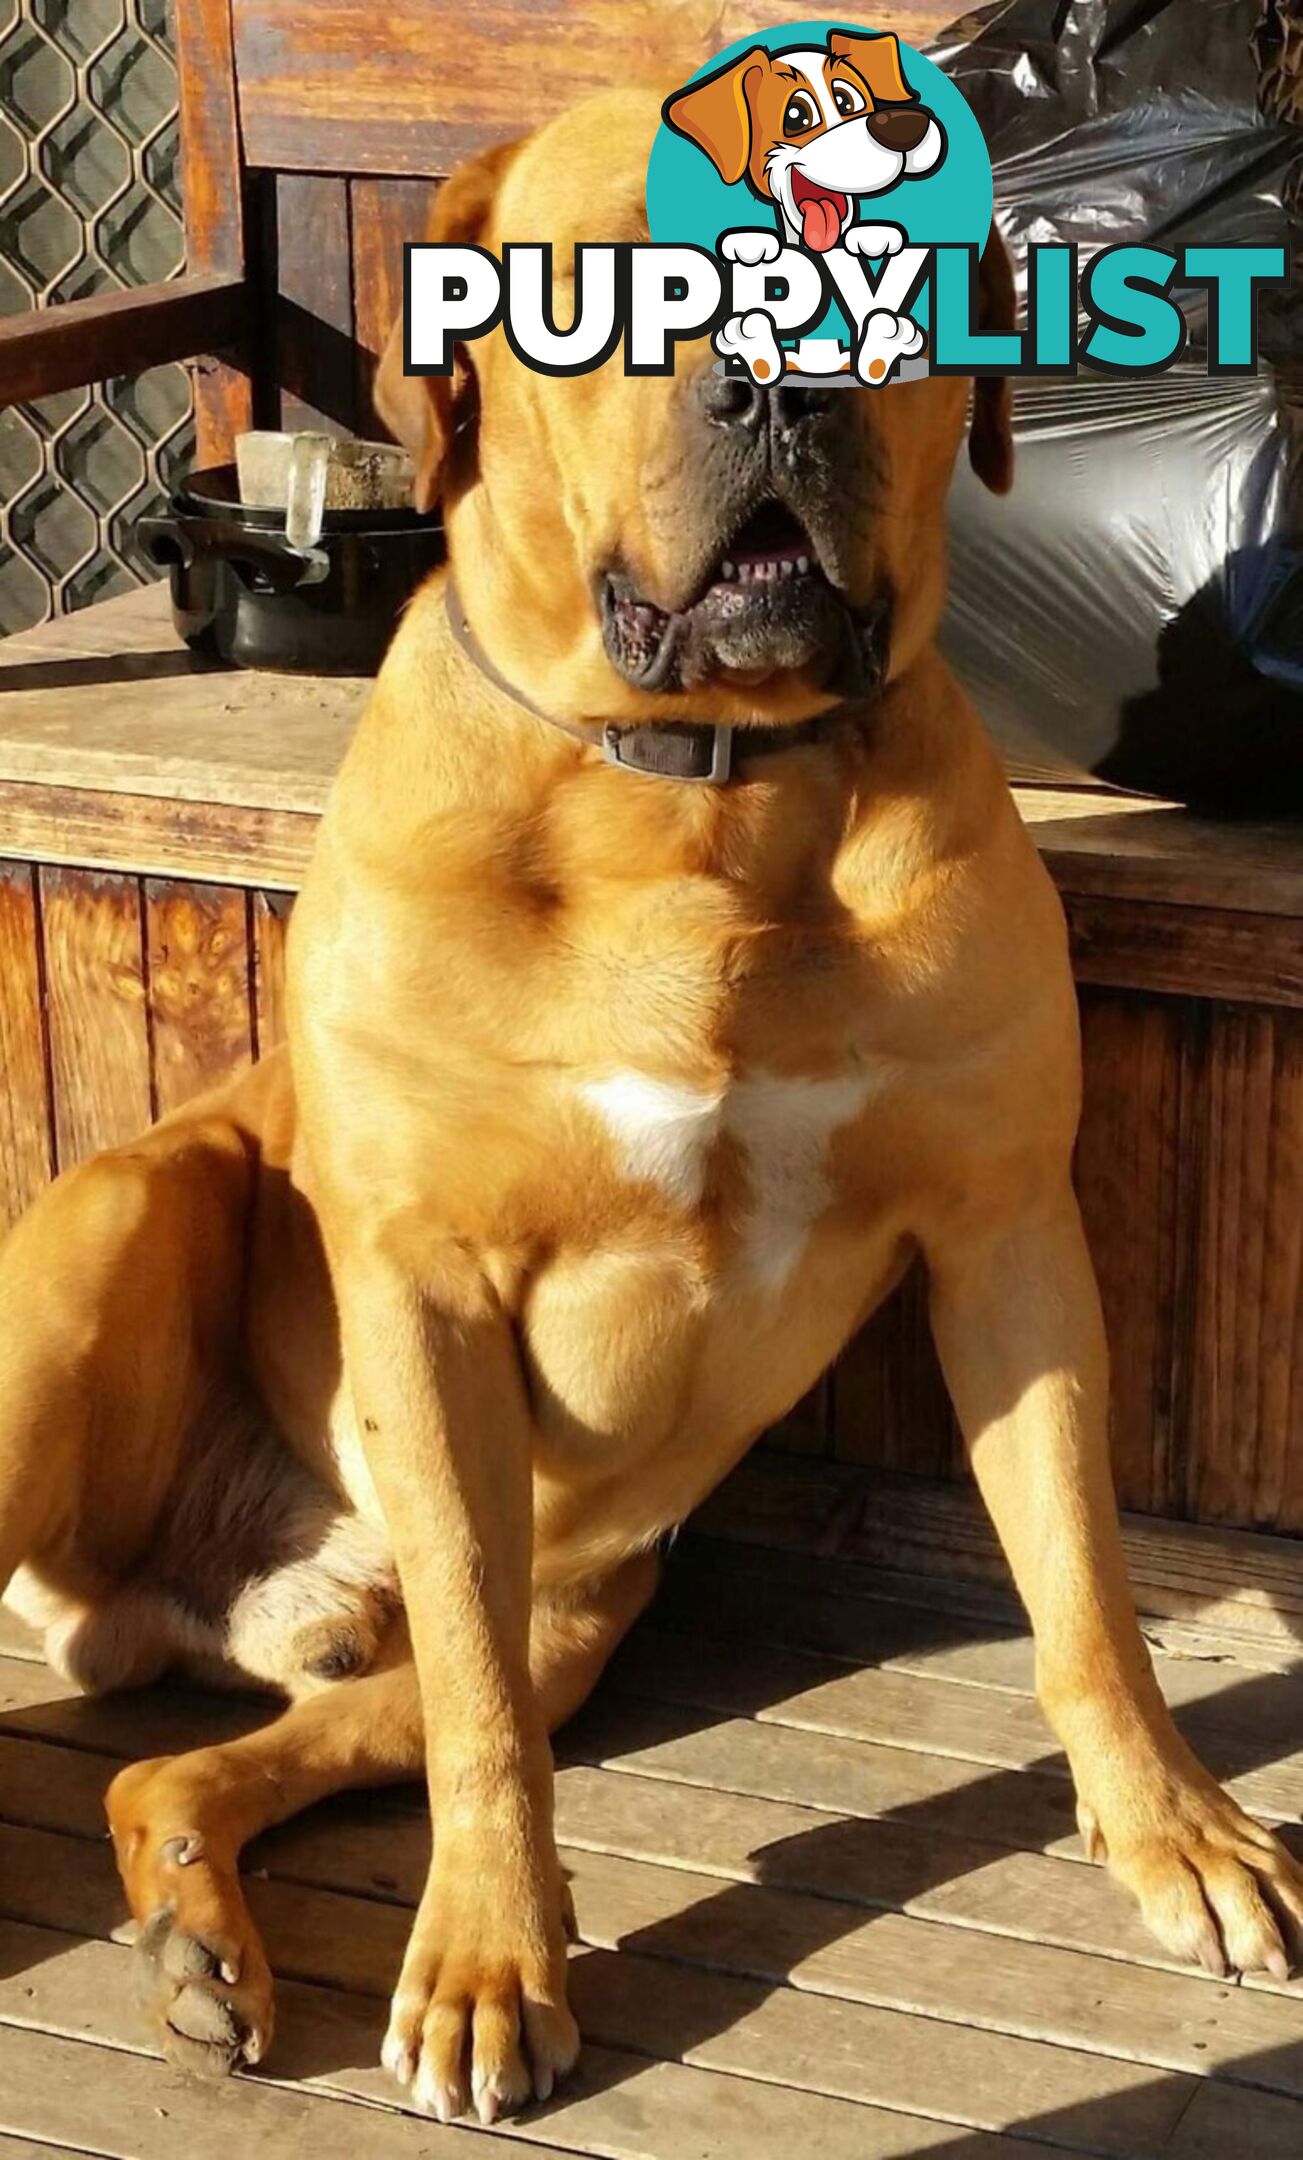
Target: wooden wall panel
198, 971
1189, 1167
315, 358
1137, 1176
271, 919
889, 1401
98, 1022
1244, 1427
25, 1157
322, 89
214, 193
383, 215
807, 1428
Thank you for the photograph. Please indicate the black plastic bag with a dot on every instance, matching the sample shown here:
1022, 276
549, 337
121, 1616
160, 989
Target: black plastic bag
1135, 609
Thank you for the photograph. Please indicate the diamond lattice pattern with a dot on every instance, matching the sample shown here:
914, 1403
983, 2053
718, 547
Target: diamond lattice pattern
88, 203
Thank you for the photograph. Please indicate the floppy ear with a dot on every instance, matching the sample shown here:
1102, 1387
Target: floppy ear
421, 411
716, 115
990, 433
877, 59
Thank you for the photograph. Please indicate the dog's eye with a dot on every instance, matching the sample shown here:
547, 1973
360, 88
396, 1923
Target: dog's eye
848, 99
800, 115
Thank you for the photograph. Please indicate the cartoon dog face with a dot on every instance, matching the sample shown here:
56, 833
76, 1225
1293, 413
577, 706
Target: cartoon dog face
810, 130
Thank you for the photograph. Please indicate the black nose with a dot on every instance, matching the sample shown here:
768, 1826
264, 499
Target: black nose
734, 401
902, 131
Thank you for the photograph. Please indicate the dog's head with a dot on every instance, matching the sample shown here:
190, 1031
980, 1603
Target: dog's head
811, 129
684, 545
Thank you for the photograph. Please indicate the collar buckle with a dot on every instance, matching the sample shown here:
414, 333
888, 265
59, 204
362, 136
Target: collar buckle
671, 753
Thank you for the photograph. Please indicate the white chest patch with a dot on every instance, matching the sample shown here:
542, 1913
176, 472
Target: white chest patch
664, 1134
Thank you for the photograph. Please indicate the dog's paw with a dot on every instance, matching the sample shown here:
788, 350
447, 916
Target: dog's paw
750, 247
1213, 1886
206, 1997
480, 2018
751, 338
886, 339
874, 240
201, 1975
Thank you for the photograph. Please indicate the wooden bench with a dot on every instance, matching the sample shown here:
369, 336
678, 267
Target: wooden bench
155, 817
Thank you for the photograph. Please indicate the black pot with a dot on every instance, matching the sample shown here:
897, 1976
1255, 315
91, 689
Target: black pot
242, 593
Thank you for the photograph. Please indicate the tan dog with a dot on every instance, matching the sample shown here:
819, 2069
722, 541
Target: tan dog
614, 1103
809, 130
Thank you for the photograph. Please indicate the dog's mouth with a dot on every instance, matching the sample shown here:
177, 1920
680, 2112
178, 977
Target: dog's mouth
764, 607
822, 212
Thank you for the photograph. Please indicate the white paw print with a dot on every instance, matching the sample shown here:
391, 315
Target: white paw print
874, 240
751, 339
750, 247
885, 340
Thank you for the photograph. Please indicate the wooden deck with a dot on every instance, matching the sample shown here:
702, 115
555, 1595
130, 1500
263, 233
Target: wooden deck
825, 1868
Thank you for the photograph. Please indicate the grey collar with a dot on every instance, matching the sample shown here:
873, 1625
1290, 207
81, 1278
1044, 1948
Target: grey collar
697, 750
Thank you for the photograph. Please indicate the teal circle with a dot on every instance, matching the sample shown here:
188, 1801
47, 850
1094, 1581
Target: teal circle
688, 202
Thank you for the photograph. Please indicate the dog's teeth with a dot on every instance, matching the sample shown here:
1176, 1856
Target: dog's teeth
803, 565
789, 568
729, 569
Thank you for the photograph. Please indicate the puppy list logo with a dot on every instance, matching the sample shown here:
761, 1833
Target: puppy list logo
853, 144
818, 199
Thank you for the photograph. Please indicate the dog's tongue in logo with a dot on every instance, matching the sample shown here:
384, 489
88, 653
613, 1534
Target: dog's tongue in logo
822, 212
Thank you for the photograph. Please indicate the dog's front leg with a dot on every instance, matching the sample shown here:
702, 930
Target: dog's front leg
1017, 1322
480, 2010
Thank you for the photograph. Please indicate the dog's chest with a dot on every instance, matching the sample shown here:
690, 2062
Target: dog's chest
733, 1271
776, 1132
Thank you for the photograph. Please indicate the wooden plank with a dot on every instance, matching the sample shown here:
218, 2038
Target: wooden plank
383, 214
271, 921
1200, 951
618, 2103
63, 2088
887, 1864
934, 1848
143, 716
818, 1945
843, 2050
96, 830
1137, 1175
1246, 1339
1241, 1583
25, 1150
620, 1732
890, 1405
45, 350
148, 718
23, 2149
893, 1709
1131, 848
325, 93
315, 360
99, 1031
213, 191
806, 1430
198, 968
736, 1594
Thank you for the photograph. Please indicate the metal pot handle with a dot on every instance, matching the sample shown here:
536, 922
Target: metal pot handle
169, 539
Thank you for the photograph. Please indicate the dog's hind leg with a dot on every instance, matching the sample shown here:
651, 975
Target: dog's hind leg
179, 1823
119, 1292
